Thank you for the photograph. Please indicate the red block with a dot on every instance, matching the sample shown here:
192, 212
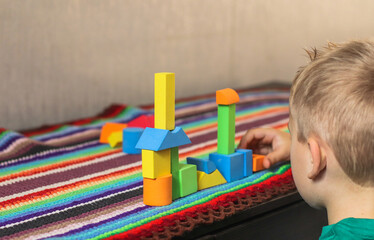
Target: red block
142, 121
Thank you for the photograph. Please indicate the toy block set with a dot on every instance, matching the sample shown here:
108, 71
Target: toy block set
227, 162
157, 139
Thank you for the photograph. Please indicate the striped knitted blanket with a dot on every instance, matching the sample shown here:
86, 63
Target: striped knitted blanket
59, 182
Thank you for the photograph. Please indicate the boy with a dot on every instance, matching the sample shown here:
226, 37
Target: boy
331, 145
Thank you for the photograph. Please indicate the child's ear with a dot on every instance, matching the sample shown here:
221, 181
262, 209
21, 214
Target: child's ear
318, 158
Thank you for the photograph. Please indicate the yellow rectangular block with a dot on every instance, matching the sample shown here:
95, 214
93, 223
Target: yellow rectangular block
165, 101
156, 164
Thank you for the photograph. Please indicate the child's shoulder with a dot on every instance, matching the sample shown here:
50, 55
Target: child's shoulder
349, 228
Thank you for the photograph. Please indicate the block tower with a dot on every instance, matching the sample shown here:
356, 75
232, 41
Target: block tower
233, 164
164, 178
227, 164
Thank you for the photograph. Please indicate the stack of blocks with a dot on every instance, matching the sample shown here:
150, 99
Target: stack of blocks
227, 164
164, 178
157, 139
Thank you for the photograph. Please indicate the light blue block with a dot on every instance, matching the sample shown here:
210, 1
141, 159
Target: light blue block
130, 137
248, 161
230, 166
203, 165
155, 139
152, 138
175, 138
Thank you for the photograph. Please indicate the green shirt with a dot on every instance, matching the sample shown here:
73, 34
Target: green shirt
349, 228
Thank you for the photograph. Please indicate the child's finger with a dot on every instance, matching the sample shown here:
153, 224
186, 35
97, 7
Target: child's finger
246, 139
273, 158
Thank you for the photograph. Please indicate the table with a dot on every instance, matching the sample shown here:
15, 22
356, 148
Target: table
59, 182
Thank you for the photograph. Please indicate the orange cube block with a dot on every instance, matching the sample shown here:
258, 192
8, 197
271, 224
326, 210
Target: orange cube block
157, 192
227, 96
258, 162
110, 128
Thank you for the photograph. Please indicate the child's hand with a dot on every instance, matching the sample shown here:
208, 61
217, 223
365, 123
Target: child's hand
273, 143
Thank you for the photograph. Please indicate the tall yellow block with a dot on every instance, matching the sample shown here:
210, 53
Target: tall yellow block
156, 164
165, 101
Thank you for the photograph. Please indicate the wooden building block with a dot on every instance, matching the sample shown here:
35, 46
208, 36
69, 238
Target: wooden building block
258, 162
230, 166
174, 152
142, 121
156, 164
109, 128
226, 129
130, 138
175, 171
157, 192
185, 182
248, 162
227, 96
159, 139
205, 180
115, 139
164, 101
203, 165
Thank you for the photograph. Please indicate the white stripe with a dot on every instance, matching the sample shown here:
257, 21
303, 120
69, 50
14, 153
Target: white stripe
71, 181
69, 208
62, 169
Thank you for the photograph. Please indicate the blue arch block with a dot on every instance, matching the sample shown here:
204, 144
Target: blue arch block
203, 165
155, 139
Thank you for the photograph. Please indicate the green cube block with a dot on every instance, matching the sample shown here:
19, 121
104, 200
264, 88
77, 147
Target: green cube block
185, 182
226, 129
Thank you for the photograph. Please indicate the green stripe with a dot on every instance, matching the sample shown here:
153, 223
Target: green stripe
4, 133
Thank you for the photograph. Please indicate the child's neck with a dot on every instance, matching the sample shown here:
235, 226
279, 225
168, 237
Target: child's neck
355, 201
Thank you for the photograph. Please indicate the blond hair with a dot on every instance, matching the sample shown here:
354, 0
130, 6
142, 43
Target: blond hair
333, 98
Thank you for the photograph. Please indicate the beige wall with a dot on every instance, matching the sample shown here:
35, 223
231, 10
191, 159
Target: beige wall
66, 59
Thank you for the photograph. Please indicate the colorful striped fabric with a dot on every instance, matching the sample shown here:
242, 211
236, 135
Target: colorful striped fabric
60, 182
